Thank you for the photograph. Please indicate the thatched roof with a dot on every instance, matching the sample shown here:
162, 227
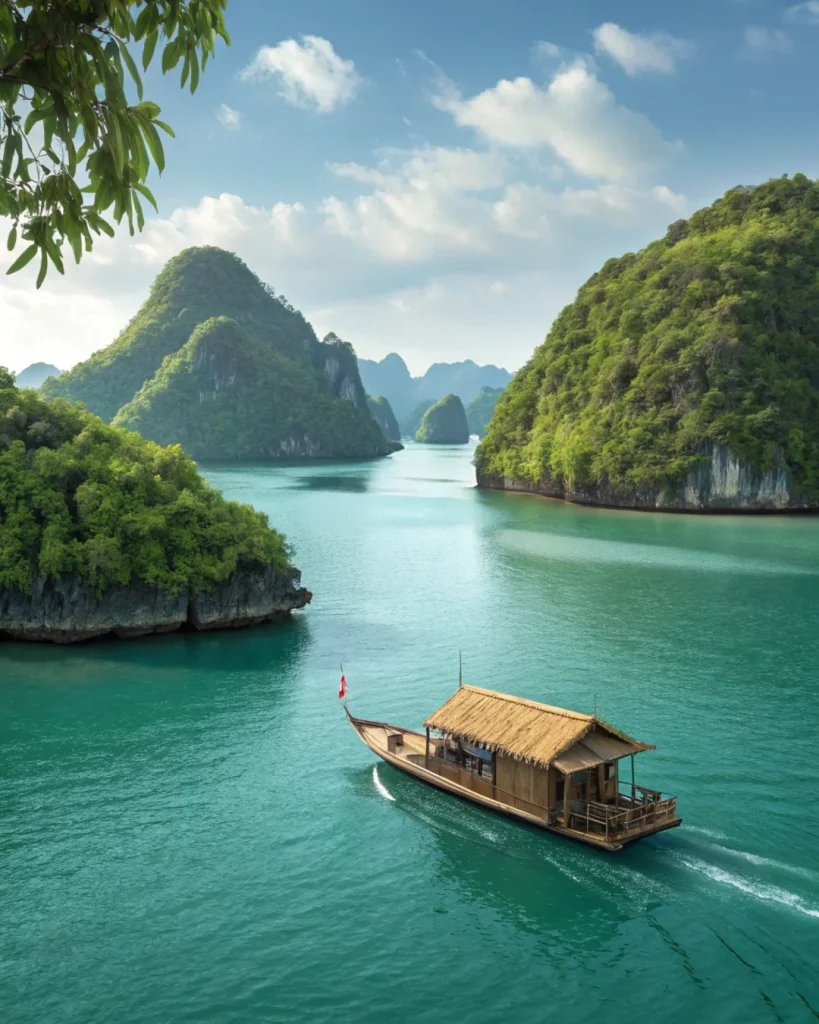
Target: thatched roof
529, 731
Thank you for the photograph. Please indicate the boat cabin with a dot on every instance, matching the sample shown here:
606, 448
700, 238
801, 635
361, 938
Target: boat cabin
553, 767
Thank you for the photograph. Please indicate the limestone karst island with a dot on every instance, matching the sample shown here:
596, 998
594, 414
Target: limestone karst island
409, 512
684, 377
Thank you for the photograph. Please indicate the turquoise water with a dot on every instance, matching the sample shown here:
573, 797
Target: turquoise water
190, 831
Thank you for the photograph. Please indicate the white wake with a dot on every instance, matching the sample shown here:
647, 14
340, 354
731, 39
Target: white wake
769, 893
379, 785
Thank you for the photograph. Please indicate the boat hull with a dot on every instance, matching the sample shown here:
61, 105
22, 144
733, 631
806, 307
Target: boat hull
368, 733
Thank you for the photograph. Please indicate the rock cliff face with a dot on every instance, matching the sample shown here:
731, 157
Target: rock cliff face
68, 610
720, 483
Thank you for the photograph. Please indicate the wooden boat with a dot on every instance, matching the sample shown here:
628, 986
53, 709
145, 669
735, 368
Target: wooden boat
553, 768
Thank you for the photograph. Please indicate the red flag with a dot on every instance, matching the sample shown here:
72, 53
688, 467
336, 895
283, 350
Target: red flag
342, 686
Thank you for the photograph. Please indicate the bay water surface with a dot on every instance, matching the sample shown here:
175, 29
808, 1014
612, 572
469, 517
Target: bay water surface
190, 830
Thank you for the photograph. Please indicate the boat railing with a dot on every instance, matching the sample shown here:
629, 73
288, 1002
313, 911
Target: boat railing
626, 817
633, 813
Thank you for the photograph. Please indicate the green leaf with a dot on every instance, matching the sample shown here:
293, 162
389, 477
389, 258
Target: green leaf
147, 111
115, 142
151, 136
43, 268
132, 70
26, 256
166, 128
9, 150
145, 191
139, 213
103, 226
194, 71
54, 254
12, 240
148, 49
74, 236
37, 115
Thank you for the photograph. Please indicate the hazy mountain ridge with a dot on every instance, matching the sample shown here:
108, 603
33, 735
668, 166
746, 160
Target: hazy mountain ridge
390, 377
33, 376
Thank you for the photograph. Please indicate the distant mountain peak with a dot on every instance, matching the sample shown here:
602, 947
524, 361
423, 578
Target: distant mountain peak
34, 375
391, 378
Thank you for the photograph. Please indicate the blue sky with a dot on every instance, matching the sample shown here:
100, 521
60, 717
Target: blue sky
438, 178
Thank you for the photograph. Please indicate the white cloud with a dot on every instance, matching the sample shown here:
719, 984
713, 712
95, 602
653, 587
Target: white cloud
543, 48
806, 13
497, 288
228, 117
638, 52
422, 202
760, 41
532, 212
576, 115
309, 73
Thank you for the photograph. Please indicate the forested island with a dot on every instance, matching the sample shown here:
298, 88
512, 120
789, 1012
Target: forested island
381, 412
105, 532
682, 377
444, 423
217, 362
391, 378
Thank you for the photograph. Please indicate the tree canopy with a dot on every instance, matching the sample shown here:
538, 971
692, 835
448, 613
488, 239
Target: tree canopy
65, 116
444, 423
216, 361
80, 498
707, 336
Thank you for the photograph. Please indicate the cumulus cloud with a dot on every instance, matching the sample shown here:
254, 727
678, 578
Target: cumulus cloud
576, 115
308, 73
543, 48
532, 212
228, 117
806, 13
760, 41
640, 52
422, 202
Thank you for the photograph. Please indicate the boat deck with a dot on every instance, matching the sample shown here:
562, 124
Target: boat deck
406, 750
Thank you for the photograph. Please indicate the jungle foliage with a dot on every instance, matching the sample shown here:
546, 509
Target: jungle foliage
81, 498
480, 410
216, 361
709, 335
383, 415
444, 423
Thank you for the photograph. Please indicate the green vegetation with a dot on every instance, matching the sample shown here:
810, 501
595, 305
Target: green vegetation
215, 361
444, 423
710, 335
80, 498
480, 410
383, 415
411, 422
391, 378
64, 114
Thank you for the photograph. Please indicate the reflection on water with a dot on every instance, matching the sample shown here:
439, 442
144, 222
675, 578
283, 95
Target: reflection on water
356, 484
272, 646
